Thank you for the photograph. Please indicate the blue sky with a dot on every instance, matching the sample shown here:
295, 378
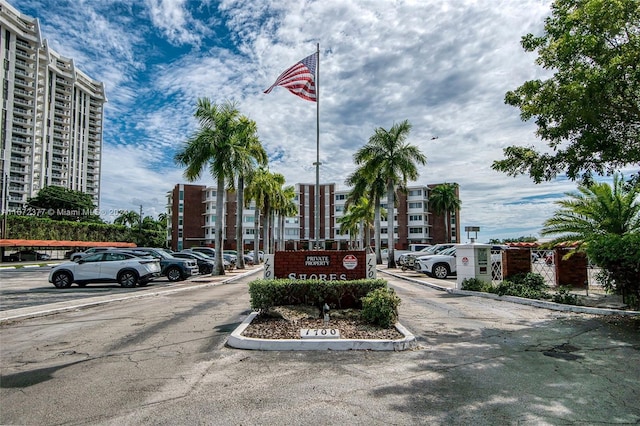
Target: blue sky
445, 65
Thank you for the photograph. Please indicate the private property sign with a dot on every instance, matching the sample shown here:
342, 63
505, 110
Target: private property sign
326, 265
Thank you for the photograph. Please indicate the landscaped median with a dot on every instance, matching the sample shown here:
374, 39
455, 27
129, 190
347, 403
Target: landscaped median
322, 315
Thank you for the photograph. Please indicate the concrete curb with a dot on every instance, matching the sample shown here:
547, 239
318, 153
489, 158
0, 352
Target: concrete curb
521, 300
238, 341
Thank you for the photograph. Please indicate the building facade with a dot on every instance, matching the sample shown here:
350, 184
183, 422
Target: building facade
191, 210
52, 116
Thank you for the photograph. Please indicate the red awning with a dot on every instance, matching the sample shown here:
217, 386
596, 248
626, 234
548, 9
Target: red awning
60, 243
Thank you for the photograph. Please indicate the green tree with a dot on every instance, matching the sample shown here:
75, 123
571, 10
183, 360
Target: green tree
588, 112
370, 184
286, 207
247, 158
129, 218
214, 145
60, 203
388, 154
262, 188
444, 200
596, 209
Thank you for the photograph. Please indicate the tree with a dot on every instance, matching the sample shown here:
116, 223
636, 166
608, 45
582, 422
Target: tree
129, 218
370, 184
588, 112
444, 200
604, 219
250, 155
596, 209
388, 155
214, 145
286, 207
60, 203
262, 188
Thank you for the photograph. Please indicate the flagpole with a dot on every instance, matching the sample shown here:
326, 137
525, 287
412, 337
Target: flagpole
317, 163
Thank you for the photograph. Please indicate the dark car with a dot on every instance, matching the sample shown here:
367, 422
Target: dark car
205, 264
28, 254
174, 268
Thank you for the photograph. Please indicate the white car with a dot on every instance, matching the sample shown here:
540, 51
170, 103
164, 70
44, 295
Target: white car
106, 266
439, 265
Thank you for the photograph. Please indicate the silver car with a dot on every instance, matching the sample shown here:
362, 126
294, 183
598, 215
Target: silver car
105, 267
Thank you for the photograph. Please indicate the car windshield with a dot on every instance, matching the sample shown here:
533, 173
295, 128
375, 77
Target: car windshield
448, 252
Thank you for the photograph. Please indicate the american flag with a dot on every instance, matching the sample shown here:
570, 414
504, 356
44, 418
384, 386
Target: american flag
300, 79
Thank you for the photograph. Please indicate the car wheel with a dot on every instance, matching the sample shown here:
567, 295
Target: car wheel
62, 279
174, 274
440, 271
128, 279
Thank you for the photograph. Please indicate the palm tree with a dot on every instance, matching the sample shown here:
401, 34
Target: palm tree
262, 188
369, 184
129, 219
395, 160
444, 200
596, 209
349, 224
215, 145
250, 155
286, 208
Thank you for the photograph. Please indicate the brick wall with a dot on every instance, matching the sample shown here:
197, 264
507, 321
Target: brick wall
572, 271
319, 264
516, 261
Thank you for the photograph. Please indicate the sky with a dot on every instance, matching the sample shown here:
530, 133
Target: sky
443, 65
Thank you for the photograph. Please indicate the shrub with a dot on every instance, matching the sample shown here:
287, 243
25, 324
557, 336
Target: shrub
380, 307
564, 296
476, 284
529, 285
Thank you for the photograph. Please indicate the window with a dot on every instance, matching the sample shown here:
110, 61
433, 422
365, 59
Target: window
340, 197
292, 232
249, 219
415, 192
249, 232
181, 195
415, 230
416, 205
415, 217
339, 209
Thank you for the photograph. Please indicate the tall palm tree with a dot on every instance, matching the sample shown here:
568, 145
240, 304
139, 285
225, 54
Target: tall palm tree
396, 161
443, 200
349, 224
262, 188
250, 155
370, 184
214, 145
596, 209
286, 208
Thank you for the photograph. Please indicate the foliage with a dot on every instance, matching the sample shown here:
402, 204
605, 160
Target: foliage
588, 112
619, 256
476, 284
60, 203
597, 209
529, 285
129, 218
443, 200
522, 239
563, 295
265, 294
37, 228
387, 156
380, 307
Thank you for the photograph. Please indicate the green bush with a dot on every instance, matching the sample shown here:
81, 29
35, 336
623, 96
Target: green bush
563, 295
476, 284
529, 285
380, 307
337, 294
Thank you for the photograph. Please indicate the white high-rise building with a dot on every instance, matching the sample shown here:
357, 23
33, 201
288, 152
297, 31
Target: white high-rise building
52, 116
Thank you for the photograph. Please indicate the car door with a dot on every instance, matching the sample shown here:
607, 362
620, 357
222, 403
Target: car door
112, 264
88, 268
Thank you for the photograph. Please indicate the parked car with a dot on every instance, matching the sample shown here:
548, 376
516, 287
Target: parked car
28, 254
227, 264
174, 268
260, 255
205, 263
407, 259
106, 266
439, 265
80, 254
209, 251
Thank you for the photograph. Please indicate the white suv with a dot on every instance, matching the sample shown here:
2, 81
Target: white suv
439, 265
106, 266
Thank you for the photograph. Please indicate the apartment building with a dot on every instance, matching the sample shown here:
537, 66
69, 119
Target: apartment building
192, 219
52, 116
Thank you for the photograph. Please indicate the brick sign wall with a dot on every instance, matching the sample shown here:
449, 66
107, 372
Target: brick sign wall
328, 265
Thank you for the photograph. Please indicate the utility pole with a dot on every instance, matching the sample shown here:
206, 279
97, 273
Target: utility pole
140, 233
